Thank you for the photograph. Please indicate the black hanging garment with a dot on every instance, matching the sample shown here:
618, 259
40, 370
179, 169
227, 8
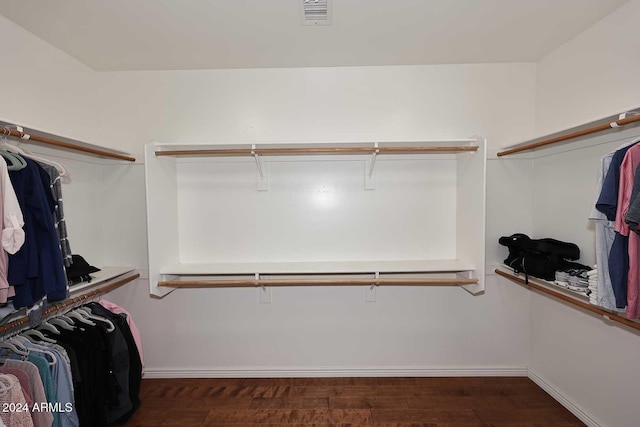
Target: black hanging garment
135, 363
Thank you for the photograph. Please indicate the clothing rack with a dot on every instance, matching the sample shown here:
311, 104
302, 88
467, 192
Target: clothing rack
589, 307
575, 134
318, 150
314, 282
65, 145
57, 307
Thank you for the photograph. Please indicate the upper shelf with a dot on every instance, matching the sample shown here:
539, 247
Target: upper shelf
47, 139
321, 267
443, 146
600, 125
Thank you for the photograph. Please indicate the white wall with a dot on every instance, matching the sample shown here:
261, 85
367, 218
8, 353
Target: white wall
45, 88
591, 363
213, 330
319, 104
593, 75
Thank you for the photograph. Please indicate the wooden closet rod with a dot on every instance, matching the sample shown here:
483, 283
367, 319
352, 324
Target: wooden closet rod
318, 150
58, 306
576, 134
592, 308
311, 282
66, 145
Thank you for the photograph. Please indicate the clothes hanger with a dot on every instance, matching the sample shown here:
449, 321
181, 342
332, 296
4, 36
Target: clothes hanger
33, 333
62, 170
46, 326
59, 322
90, 315
11, 347
54, 359
4, 143
75, 315
14, 161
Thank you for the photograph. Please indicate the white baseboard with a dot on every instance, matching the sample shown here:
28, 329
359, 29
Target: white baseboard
564, 401
301, 372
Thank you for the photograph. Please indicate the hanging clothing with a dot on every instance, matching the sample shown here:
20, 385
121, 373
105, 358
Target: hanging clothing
115, 308
40, 418
55, 186
605, 235
12, 394
13, 235
12, 232
607, 203
36, 269
627, 175
24, 382
633, 214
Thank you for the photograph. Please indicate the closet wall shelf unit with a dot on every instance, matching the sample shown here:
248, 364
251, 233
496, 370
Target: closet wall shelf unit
80, 204
209, 227
49, 140
167, 150
610, 123
376, 272
544, 289
60, 307
105, 274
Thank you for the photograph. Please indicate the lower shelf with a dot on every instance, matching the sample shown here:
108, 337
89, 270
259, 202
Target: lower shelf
316, 282
441, 272
571, 300
99, 277
16, 321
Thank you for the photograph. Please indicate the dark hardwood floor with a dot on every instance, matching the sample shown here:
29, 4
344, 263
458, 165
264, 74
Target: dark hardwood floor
397, 402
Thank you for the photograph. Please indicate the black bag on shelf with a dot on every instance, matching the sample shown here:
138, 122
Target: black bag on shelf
79, 271
540, 258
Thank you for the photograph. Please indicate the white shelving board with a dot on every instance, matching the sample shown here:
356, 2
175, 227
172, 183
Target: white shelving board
419, 213
105, 274
327, 267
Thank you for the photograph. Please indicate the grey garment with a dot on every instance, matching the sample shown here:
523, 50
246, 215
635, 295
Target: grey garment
63, 383
633, 214
605, 235
58, 214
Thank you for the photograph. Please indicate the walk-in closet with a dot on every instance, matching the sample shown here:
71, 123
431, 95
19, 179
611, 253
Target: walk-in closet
319, 212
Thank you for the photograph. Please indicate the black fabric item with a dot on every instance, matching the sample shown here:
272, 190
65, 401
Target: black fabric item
135, 367
119, 404
79, 268
540, 258
91, 387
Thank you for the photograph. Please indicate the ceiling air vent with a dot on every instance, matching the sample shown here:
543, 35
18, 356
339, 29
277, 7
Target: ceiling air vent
316, 12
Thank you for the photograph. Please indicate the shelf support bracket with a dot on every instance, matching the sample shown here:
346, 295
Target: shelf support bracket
370, 291
263, 182
369, 176
265, 293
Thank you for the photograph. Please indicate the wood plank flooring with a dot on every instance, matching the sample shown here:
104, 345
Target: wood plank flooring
390, 402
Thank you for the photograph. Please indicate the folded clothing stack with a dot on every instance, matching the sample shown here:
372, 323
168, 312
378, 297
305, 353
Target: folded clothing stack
562, 279
593, 285
574, 279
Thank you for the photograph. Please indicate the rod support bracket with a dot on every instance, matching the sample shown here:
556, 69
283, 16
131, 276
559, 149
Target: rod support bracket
263, 182
370, 164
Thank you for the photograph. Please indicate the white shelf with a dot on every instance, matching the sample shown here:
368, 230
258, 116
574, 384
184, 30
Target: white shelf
322, 267
546, 283
104, 275
298, 209
159, 146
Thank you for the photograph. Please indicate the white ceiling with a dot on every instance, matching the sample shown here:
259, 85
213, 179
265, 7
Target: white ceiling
200, 34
